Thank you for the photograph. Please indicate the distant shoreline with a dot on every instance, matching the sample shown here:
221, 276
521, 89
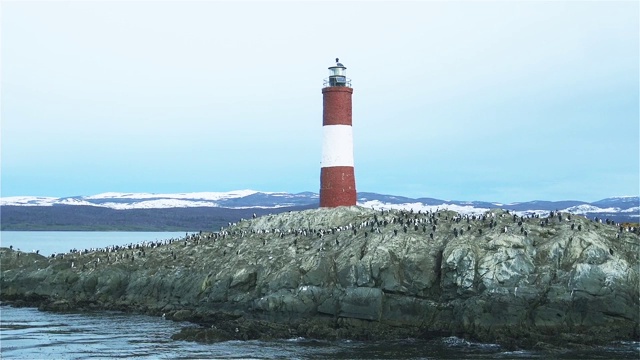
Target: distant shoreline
91, 218
98, 230
190, 219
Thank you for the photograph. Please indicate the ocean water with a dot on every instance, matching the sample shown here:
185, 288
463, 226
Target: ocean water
26, 333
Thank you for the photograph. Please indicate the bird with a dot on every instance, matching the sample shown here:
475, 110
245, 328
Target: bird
337, 60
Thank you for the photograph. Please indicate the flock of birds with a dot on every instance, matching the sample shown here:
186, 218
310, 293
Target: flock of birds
247, 235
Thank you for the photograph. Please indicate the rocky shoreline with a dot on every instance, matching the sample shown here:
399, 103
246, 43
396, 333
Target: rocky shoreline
356, 273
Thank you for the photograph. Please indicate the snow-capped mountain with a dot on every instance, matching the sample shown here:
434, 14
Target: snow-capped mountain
627, 207
239, 199
622, 209
211, 210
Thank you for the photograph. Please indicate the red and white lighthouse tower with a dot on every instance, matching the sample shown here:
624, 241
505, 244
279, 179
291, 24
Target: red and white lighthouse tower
337, 179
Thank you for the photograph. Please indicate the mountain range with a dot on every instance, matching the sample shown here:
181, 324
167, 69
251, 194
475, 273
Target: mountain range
205, 210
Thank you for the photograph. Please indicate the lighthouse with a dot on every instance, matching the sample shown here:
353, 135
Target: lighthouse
337, 179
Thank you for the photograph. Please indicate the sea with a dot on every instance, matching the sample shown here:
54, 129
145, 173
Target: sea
26, 333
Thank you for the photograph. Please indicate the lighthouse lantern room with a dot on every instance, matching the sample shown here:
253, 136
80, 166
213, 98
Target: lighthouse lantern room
337, 75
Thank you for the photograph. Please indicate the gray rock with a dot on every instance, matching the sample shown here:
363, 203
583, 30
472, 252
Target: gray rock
311, 272
361, 303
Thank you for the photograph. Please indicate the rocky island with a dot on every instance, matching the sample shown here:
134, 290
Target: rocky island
359, 273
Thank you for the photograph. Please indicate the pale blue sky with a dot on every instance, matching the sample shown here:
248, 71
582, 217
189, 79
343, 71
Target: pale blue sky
500, 101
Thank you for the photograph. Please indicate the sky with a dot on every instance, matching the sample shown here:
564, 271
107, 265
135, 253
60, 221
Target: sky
458, 100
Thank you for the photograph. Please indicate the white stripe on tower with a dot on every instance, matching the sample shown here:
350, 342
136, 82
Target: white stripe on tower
337, 145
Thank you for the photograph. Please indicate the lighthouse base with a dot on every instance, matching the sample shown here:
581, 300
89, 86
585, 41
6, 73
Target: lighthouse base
337, 186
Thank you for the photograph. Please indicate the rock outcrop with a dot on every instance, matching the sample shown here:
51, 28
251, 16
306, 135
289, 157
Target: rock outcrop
361, 273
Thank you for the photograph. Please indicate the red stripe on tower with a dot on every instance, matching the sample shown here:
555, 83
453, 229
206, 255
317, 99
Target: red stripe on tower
337, 179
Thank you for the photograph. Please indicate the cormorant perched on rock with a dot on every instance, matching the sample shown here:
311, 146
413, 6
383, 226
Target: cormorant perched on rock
610, 251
